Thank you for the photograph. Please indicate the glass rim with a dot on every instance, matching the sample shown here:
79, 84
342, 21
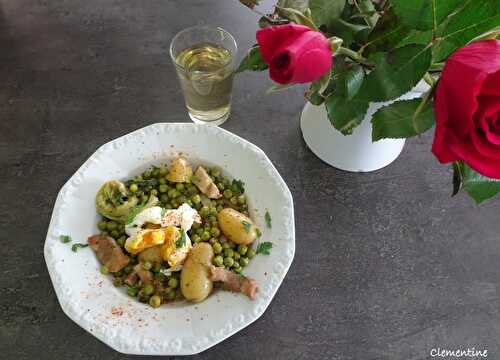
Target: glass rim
199, 27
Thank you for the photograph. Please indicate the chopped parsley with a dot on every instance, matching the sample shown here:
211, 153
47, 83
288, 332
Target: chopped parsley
133, 213
181, 241
267, 217
77, 246
264, 248
258, 232
65, 239
247, 226
238, 186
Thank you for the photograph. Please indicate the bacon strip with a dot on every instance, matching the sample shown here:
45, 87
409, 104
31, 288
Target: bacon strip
234, 282
109, 253
205, 183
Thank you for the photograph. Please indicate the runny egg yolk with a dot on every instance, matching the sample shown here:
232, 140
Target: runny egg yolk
145, 239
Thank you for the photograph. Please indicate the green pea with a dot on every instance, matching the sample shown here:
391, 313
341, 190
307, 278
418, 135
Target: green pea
242, 199
168, 205
228, 194
250, 253
238, 270
138, 178
102, 225
156, 267
205, 211
162, 181
213, 210
236, 256
244, 261
217, 248
163, 188
148, 289
164, 198
154, 192
189, 202
236, 265
162, 171
212, 219
196, 238
128, 269
228, 252
218, 260
121, 241
117, 281
205, 235
133, 188
173, 283
219, 208
225, 245
196, 226
180, 187
132, 291
155, 172
199, 231
228, 262
170, 294
221, 186
196, 199
146, 265
111, 226
212, 241
155, 301
242, 249
104, 270
234, 200
147, 174
181, 199
114, 234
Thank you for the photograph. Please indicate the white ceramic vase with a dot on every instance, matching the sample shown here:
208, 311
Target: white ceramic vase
356, 152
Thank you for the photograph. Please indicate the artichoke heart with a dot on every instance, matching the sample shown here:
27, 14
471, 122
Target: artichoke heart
113, 201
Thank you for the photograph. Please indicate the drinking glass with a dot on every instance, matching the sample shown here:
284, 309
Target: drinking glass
205, 60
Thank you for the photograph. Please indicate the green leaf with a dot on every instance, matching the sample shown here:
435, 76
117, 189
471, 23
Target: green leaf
267, 217
295, 16
77, 246
300, 5
396, 73
325, 12
416, 37
65, 239
479, 187
402, 119
313, 95
347, 31
238, 186
475, 18
250, 3
366, 7
457, 178
424, 14
346, 110
181, 241
247, 226
252, 61
133, 213
387, 33
264, 248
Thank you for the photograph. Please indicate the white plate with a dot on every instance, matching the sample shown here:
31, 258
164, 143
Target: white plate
91, 300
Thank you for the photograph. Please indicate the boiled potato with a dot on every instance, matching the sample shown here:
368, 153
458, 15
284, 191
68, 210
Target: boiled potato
152, 254
180, 171
195, 281
237, 227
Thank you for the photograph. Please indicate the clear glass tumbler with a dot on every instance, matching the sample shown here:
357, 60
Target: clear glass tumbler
205, 60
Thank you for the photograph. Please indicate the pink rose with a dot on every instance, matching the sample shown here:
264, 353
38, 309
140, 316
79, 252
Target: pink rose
467, 108
294, 53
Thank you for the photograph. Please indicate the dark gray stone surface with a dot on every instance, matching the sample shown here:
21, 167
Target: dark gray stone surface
387, 265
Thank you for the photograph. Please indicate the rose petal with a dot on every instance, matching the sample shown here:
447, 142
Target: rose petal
482, 164
271, 38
